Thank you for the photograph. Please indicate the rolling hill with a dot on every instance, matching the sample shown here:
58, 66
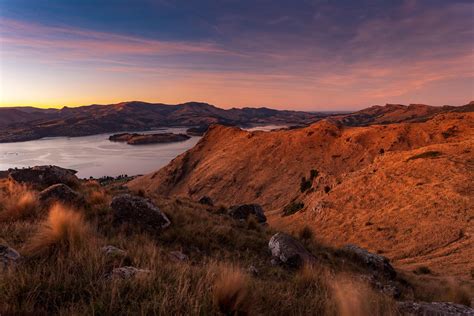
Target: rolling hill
28, 123
387, 187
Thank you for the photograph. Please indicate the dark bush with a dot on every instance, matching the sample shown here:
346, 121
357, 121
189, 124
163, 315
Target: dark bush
422, 270
428, 154
305, 185
306, 233
292, 208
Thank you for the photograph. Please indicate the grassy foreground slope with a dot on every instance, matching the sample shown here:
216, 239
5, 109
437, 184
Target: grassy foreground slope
63, 268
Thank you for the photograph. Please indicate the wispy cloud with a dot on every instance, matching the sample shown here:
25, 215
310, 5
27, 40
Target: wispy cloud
304, 57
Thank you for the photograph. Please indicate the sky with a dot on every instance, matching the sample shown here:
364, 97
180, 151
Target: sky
303, 55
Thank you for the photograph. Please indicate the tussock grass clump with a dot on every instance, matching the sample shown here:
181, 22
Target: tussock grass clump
64, 229
356, 298
97, 197
94, 194
231, 291
17, 202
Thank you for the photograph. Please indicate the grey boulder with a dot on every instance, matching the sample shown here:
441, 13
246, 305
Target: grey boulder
41, 177
433, 309
126, 273
377, 263
60, 193
289, 251
8, 256
138, 211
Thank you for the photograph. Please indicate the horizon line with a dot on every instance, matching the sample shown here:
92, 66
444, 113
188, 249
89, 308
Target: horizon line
281, 108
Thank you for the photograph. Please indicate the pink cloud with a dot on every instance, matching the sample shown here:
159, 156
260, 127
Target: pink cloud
19, 35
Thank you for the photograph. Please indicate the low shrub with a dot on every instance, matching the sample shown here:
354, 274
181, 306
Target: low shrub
313, 174
428, 154
422, 270
306, 233
292, 208
305, 184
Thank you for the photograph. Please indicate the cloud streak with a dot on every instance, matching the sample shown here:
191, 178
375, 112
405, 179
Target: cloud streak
318, 58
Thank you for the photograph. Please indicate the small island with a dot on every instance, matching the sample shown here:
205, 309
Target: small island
144, 139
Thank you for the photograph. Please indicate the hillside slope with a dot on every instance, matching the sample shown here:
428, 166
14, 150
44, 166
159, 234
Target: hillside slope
376, 195
397, 113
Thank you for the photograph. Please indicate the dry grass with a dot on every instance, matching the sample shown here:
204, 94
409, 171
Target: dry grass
64, 229
231, 291
64, 271
94, 194
17, 202
443, 289
355, 298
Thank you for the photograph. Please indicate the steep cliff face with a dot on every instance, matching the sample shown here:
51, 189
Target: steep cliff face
387, 187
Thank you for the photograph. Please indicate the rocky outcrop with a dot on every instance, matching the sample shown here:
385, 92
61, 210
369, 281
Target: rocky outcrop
377, 263
60, 193
116, 257
144, 139
41, 177
112, 251
205, 200
128, 272
138, 211
178, 256
8, 256
390, 288
289, 251
433, 309
242, 212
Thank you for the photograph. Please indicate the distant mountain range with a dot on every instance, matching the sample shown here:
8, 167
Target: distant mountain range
22, 124
29, 123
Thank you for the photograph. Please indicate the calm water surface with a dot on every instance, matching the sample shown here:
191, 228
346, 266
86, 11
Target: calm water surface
95, 155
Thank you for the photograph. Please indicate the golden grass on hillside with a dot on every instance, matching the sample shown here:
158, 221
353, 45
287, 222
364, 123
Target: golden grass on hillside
64, 229
94, 193
17, 202
447, 289
231, 291
67, 272
355, 298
